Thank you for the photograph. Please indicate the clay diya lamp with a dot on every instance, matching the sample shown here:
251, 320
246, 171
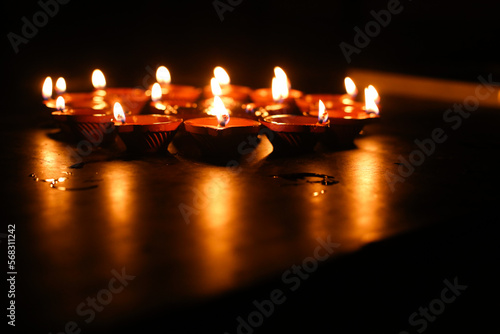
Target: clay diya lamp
170, 99
294, 134
145, 133
279, 99
180, 107
132, 99
84, 123
72, 100
102, 98
346, 123
237, 93
220, 136
207, 105
310, 101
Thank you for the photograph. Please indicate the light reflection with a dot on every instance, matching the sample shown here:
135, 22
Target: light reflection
353, 209
121, 210
217, 222
368, 200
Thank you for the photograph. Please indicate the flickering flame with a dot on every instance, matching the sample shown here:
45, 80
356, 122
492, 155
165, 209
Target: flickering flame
118, 112
220, 111
280, 85
374, 94
322, 113
47, 88
216, 90
98, 80
60, 86
163, 75
279, 73
350, 87
221, 76
60, 103
371, 97
156, 92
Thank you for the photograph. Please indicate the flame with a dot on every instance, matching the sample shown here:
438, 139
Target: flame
118, 112
350, 87
220, 111
60, 103
322, 113
163, 76
280, 85
221, 75
60, 86
216, 90
371, 96
98, 79
156, 92
47, 88
279, 73
374, 94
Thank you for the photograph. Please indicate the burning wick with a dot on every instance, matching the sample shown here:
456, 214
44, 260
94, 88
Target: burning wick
224, 119
118, 113
220, 111
60, 104
322, 113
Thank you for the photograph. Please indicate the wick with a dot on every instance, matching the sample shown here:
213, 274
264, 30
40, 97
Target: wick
223, 121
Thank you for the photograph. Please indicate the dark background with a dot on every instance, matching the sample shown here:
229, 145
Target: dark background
434, 38
443, 39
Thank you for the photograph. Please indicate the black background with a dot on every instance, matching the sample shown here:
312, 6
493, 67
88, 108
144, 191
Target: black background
434, 38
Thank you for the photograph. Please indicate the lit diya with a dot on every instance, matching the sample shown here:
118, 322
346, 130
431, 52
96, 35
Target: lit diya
347, 122
220, 135
84, 123
100, 99
133, 99
229, 101
145, 133
293, 134
310, 101
235, 92
279, 99
60, 90
172, 99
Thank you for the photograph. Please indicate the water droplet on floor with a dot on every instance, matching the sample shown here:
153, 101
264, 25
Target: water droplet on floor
303, 178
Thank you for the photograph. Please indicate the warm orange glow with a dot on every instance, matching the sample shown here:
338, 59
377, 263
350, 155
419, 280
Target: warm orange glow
156, 92
348, 109
118, 112
220, 111
98, 79
371, 96
216, 90
350, 87
221, 75
322, 113
60, 103
163, 76
60, 86
47, 88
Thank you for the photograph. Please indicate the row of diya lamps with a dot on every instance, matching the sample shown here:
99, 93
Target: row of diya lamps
220, 117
